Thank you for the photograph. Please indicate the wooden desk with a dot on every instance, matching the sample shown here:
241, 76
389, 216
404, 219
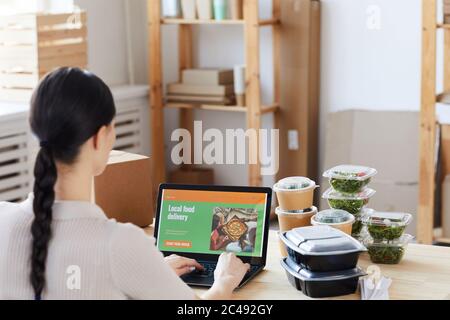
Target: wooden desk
424, 273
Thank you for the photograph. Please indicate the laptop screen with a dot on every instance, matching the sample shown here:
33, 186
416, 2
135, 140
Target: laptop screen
212, 222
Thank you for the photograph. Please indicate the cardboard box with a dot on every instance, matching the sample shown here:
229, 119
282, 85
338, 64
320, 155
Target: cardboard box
207, 77
396, 197
201, 90
385, 140
446, 207
192, 176
124, 190
299, 65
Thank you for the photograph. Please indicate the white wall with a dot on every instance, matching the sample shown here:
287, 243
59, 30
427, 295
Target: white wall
370, 69
107, 42
361, 68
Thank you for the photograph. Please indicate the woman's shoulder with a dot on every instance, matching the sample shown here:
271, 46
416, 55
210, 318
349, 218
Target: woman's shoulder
127, 232
7, 208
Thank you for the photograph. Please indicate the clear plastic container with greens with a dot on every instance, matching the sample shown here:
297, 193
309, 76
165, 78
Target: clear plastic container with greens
352, 203
386, 225
349, 178
387, 252
358, 225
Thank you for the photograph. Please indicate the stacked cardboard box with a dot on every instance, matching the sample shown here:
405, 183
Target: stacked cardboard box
203, 86
446, 11
386, 140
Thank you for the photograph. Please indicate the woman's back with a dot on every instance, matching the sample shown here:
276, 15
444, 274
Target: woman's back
89, 257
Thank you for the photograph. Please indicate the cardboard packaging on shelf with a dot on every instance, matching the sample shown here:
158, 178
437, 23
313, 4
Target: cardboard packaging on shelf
124, 190
208, 77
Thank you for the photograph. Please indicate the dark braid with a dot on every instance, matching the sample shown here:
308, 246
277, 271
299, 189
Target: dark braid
44, 196
68, 107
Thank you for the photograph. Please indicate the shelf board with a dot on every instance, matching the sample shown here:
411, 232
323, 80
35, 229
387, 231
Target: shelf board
443, 240
197, 21
443, 25
443, 98
262, 23
265, 109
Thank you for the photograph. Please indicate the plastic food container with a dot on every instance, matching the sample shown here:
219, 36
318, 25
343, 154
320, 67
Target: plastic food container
352, 203
322, 248
295, 193
338, 219
322, 284
388, 252
289, 220
358, 225
349, 178
387, 225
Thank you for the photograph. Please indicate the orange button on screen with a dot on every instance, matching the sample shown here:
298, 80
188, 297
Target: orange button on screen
178, 244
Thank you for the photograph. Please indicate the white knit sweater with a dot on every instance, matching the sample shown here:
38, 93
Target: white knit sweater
89, 257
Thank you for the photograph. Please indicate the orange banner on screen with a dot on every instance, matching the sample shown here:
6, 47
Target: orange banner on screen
214, 196
178, 244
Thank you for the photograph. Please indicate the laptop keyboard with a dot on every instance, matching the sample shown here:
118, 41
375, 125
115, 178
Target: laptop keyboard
210, 267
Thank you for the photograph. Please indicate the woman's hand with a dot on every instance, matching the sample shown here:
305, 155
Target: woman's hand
229, 272
182, 265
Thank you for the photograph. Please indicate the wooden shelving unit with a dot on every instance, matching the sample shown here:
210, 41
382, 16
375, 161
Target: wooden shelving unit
254, 109
428, 122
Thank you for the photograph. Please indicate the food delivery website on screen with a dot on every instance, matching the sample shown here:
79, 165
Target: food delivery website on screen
211, 222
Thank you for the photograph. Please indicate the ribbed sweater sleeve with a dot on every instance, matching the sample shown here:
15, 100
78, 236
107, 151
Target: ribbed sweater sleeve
139, 270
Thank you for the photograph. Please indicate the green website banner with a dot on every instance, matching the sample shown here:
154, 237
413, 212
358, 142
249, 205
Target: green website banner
211, 228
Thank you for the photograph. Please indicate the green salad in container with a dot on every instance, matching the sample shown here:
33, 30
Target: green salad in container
387, 225
388, 252
349, 178
352, 203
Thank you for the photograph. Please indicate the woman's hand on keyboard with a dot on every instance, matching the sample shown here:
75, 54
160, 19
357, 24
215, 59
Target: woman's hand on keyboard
182, 265
230, 271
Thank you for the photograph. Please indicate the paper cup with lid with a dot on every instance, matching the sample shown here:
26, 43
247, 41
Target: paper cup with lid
349, 178
338, 219
289, 220
295, 193
352, 203
386, 225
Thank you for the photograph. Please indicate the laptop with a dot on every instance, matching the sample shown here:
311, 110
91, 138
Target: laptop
202, 222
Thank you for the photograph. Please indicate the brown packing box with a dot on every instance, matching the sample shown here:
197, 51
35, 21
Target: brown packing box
208, 77
124, 190
397, 197
192, 176
299, 87
201, 90
385, 140
445, 178
446, 207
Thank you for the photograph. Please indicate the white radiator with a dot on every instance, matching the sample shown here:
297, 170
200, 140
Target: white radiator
14, 152
132, 119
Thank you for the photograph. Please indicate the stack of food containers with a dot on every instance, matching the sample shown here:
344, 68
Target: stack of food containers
349, 192
387, 242
322, 261
295, 198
